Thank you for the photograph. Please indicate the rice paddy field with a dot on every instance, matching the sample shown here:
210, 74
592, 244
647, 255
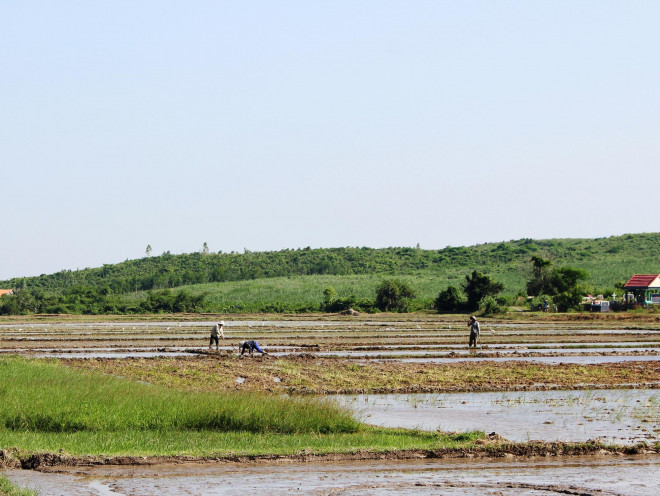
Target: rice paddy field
122, 391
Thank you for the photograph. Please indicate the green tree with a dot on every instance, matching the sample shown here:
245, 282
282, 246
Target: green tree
329, 295
394, 295
569, 299
477, 287
450, 300
566, 278
148, 251
565, 283
539, 283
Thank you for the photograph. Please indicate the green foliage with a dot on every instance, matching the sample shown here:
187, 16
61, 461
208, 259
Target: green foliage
87, 300
490, 306
566, 278
569, 299
332, 302
9, 489
608, 261
394, 295
165, 301
69, 401
562, 283
540, 280
537, 303
451, 300
477, 287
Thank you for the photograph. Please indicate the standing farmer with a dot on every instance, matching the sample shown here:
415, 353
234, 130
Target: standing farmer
217, 332
475, 329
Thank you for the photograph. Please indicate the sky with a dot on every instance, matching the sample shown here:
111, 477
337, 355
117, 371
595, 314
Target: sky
266, 125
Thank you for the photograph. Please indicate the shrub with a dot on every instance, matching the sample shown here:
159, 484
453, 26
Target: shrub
450, 300
332, 302
491, 306
394, 295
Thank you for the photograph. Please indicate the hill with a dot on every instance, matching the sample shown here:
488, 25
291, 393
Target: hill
223, 276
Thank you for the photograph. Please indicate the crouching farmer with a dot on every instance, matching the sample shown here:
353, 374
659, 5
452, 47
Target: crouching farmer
250, 346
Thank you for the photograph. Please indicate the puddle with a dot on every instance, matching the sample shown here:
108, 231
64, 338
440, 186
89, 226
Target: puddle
466, 351
554, 360
616, 415
129, 354
589, 476
530, 345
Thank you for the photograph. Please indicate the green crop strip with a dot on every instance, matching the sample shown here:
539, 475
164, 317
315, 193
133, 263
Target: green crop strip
45, 406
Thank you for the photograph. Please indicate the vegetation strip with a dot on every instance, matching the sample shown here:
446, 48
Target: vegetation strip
334, 376
297, 280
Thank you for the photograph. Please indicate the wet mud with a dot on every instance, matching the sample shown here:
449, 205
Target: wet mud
591, 476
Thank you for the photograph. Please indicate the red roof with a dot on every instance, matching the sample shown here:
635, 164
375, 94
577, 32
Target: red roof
641, 280
5, 291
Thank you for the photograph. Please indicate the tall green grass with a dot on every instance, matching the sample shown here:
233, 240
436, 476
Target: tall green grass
305, 293
37, 396
300, 293
45, 407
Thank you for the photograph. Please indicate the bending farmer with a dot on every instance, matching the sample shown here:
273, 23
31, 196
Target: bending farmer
250, 346
217, 332
474, 331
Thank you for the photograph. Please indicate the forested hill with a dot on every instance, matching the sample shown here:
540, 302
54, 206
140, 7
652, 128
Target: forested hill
613, 258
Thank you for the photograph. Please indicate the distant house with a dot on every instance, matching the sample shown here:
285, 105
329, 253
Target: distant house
5, 292
645, 288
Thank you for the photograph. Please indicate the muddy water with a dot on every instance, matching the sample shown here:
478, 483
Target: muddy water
465, 351
578, 359
603, 476
616, 415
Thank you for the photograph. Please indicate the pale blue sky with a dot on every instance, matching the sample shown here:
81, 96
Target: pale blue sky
286, 124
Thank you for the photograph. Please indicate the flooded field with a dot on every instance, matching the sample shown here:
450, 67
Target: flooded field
609, 416
544, 381
422, 340
592, 476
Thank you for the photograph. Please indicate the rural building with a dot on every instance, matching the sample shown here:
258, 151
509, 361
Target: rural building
645, 288
5, 291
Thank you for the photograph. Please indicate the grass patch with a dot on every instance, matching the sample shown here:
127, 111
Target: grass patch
9, 489
39, 396
45, 406
213, 443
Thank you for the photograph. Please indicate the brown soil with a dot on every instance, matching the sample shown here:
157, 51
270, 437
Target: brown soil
313, 375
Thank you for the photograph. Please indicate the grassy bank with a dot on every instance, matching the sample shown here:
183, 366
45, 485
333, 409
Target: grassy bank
47, 407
